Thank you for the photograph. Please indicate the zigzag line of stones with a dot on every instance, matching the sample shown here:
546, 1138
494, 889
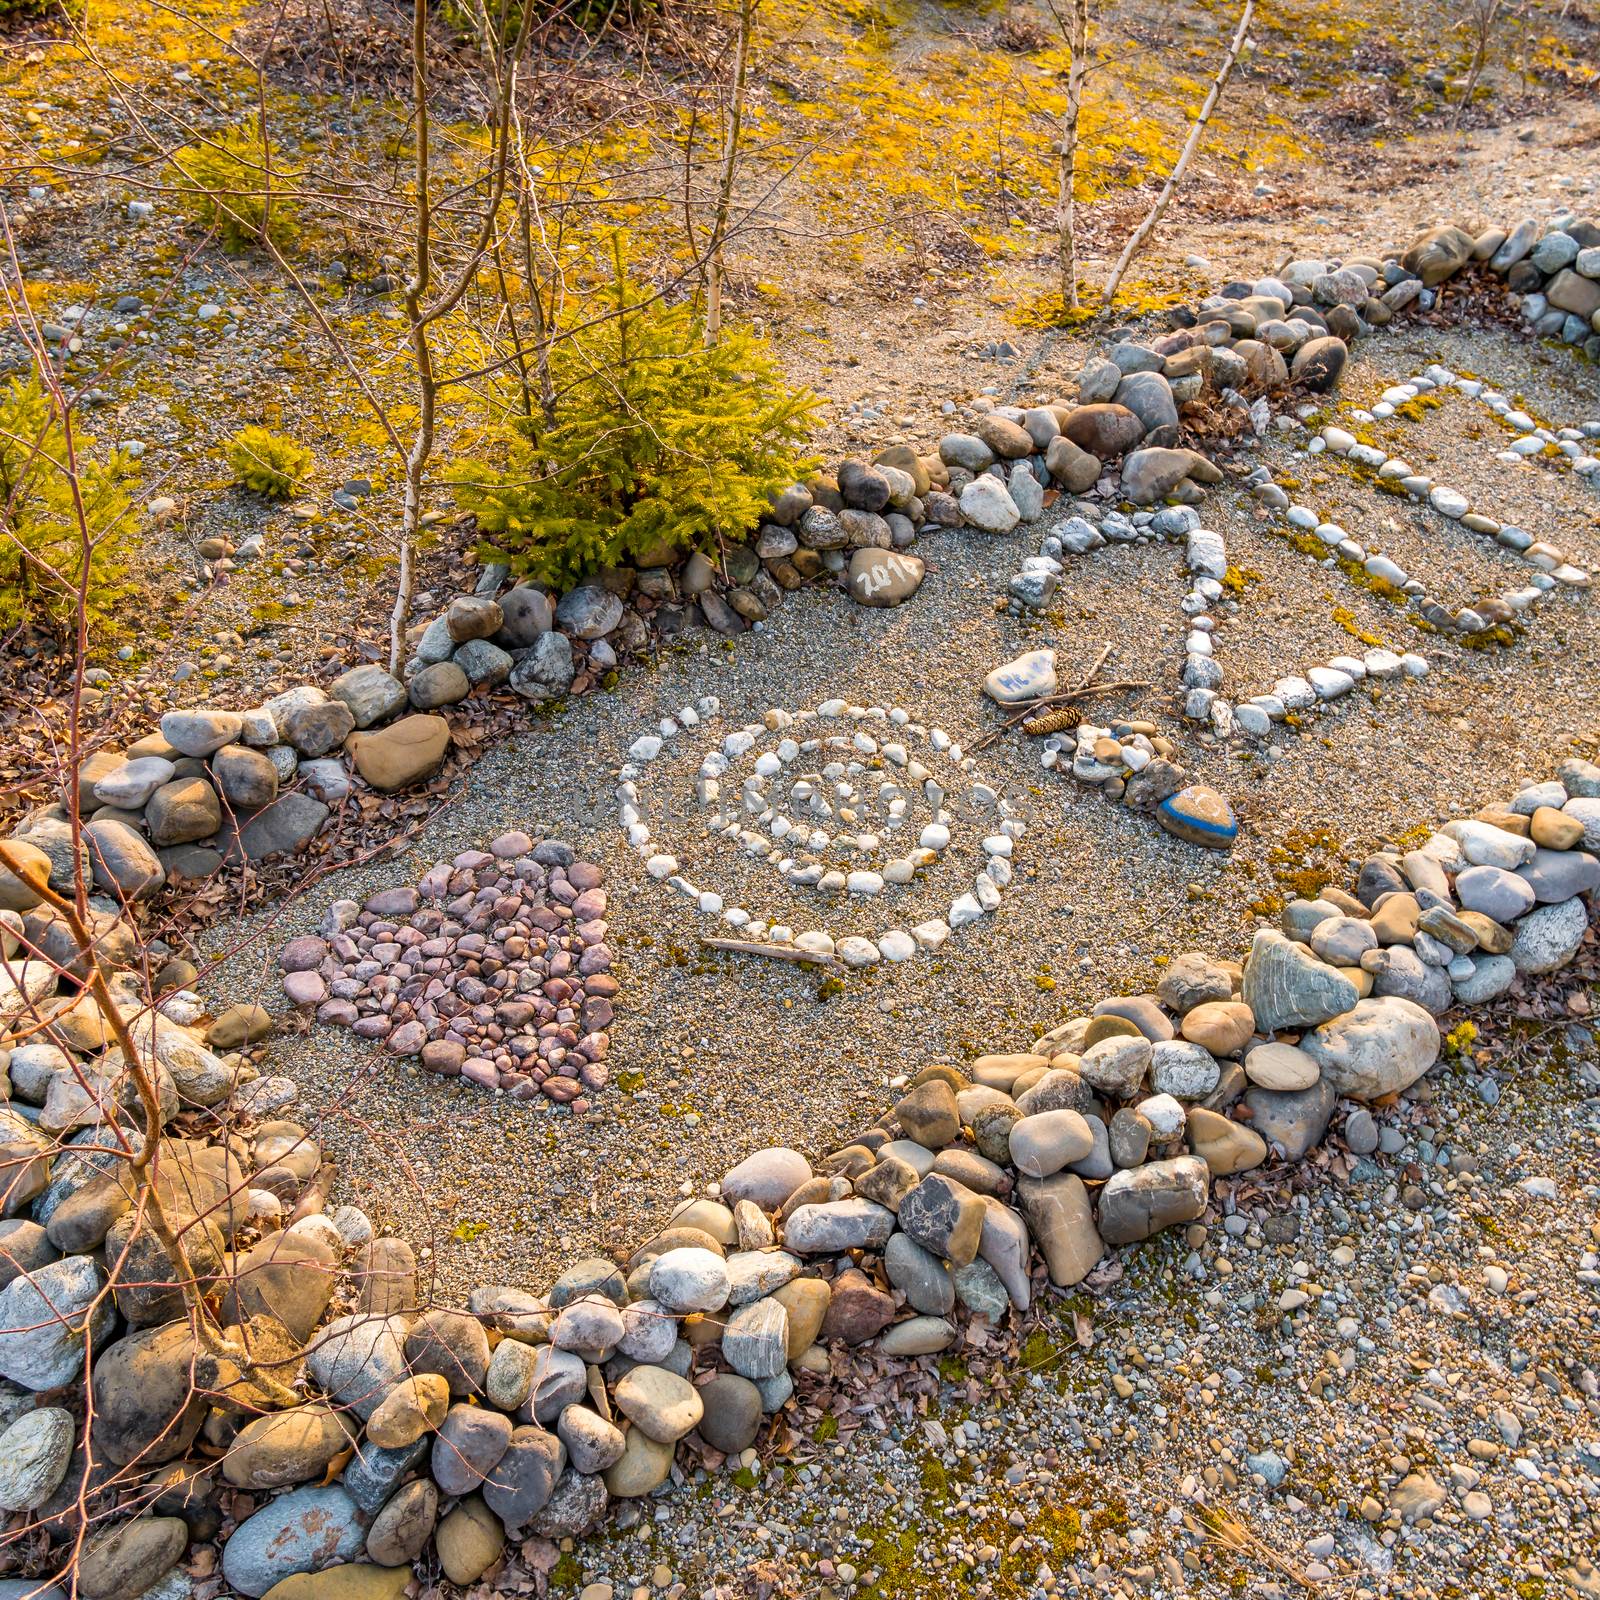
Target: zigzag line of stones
1241, 331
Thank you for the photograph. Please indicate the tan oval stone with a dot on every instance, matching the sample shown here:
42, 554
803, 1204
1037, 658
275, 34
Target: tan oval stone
709, 1217
643, 1466
806, 1301
286, 1447
659, 1402
1493, 938
469, 1541
357, 1581
1002, 1071
1555, 830
1223, 1144
414, 1406
1281, 1067
1395, 921
1224, 1027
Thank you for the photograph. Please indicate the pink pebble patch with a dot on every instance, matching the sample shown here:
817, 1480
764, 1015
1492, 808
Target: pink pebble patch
493, 968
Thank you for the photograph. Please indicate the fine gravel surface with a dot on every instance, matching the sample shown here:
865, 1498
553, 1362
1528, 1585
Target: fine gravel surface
714, 1055
1348, 1348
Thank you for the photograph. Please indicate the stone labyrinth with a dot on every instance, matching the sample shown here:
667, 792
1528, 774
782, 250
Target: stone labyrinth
853, 804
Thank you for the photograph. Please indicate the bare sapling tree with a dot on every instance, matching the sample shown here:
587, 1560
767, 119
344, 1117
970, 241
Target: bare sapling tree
451, 212
1140, 235
87, 962
110, 1069
1072, 20
732, 133
1481, 20
427, 301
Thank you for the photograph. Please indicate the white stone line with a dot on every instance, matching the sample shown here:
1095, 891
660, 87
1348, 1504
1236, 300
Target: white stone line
810, 796
1321, 685
1551, 570
1532, 438
1451, 503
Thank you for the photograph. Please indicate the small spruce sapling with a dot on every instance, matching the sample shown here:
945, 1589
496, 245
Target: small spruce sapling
658, 439
42, 545
234, 181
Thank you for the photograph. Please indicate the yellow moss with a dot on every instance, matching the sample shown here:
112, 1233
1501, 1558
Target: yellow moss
1347, 620
1500, 637
1414, 410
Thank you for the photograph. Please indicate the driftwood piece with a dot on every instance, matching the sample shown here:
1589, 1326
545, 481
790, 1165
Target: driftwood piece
777, 952
1082, 690
1137, 238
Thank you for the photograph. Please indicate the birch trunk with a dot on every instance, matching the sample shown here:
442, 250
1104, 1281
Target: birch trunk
715, 270
1066, 203
416, 292
1142, 233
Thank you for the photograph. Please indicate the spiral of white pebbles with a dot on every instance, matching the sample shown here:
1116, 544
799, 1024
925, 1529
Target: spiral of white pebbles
831, 799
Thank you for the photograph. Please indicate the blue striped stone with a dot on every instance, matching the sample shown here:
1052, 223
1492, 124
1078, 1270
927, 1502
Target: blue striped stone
1199, 815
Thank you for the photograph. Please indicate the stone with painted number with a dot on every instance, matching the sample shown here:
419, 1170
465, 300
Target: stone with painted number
884, 577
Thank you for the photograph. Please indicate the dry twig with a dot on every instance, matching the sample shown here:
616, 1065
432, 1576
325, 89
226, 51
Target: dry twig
1084, 687
778, 952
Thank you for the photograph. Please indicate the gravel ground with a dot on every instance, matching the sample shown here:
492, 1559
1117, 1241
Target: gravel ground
1412, 1368
1064, 1465
723, 1065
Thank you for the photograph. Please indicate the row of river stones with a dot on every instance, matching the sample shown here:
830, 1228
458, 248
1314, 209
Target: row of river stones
1555, 267
217, 785
493, 968
1570, 444
857, 524
529, 1414
211, 787
1294, 327
1203, 675
1204, 606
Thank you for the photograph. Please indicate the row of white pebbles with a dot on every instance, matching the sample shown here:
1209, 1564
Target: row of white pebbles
825, 806
1290, 695
1206, 557
1532, 437
1331, 680
1552, 570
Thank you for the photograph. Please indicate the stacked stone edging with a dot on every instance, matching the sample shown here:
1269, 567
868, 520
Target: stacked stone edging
529, 1414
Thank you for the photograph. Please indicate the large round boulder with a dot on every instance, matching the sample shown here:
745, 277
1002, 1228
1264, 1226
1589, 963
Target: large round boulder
1378, 1047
